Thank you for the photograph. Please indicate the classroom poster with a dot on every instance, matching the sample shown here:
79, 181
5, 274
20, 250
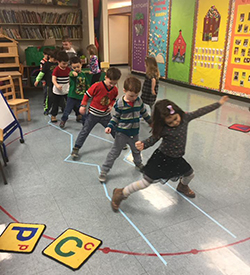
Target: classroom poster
139, 34
158, 32
237, 72
209, 45
181, 40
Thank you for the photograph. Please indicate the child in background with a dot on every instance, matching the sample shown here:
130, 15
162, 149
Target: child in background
60, 79
103, 96
77, 88
169, 123
46, 54
67, 47
126, 122
46, 74
151, 82
93, 63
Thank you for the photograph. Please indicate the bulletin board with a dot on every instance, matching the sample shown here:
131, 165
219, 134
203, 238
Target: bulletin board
237, 73
209, 44
181, 40
158, 33
140, 11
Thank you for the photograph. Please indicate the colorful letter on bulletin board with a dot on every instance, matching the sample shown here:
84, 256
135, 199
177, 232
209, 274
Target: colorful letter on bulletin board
158, 32
21, 237
139, 34
209, 44
182, 19
72, 248
237, 76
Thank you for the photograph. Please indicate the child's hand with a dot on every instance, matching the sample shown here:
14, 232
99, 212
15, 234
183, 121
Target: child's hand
107, 130
36, 83
75, 73
59, 87
139, 145
109, 108
223, 99
82, 110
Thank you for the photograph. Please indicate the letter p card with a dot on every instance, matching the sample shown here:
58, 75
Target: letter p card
21, 237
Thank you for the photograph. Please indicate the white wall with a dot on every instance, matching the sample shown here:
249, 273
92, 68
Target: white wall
118, 39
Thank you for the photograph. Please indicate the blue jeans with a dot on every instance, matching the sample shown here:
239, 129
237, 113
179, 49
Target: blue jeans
72, 104
90, 123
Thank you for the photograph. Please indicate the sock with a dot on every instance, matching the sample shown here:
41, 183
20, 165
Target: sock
186, 179
135, 186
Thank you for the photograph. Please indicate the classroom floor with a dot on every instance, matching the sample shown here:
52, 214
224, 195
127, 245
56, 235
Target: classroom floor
158, 230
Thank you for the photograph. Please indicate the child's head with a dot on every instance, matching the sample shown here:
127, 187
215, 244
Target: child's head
63, 59
112, 76
92, 50
151, 67
167, 113
46, 53
131, 88
66, 43
53, 54
76, 64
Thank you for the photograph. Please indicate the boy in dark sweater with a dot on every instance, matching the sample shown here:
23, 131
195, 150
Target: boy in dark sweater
46, 74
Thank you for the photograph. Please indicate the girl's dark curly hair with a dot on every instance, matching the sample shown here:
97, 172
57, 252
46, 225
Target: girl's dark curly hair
162, 109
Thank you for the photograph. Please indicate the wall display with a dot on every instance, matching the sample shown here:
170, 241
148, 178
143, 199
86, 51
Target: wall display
209, 44
181, 40
139, 34
158, 32
179, 49
237, 73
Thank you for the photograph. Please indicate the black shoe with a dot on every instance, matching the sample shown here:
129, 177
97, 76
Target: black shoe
62, 124
74, 153
46, 112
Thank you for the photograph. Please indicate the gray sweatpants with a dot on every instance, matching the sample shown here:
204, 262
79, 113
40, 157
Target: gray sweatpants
120, 141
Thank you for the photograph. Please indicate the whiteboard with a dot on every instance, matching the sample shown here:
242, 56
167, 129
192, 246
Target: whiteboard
6, 116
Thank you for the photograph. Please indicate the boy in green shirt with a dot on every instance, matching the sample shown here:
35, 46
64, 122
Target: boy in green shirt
78, 86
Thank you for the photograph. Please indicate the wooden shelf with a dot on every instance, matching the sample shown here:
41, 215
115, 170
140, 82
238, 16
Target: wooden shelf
57, 39
38, 24
42, 5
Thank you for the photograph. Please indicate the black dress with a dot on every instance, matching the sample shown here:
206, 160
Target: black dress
147, 96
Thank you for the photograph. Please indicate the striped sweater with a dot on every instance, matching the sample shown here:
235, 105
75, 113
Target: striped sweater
126, 118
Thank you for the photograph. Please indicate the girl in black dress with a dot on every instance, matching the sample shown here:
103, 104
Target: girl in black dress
170, 124
151, 82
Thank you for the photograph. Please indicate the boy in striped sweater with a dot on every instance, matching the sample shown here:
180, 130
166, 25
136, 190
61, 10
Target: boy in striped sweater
103, 96
60, 79
126, 122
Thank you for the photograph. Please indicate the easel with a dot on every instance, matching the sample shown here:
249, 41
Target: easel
8, 122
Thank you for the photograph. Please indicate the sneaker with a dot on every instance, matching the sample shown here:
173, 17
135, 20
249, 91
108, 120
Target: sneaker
125, 147
103, 176
74, 153
139, 167
46, 112
79, 118
185, 190
117, 199
53, 119
62, 124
